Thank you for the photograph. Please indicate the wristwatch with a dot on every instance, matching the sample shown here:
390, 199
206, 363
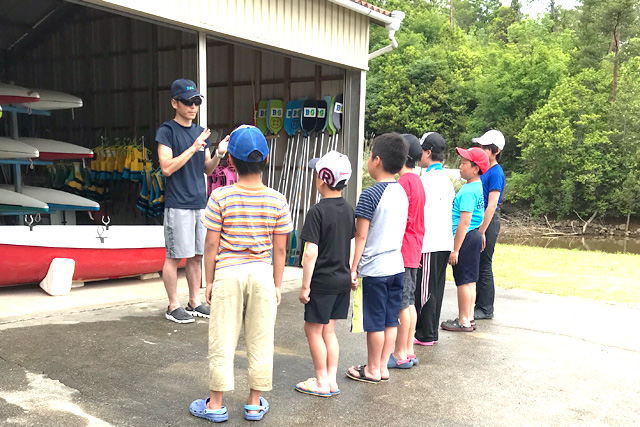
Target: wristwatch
218, 154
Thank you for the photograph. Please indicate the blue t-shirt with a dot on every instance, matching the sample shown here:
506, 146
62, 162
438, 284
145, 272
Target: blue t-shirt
492, 180
186, 188
468, 199
386, 206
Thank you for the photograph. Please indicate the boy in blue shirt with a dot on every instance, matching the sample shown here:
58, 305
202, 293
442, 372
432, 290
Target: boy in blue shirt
467, 215
381, 220
492, 142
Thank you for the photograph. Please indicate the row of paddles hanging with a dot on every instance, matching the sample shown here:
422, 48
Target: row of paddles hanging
313, 129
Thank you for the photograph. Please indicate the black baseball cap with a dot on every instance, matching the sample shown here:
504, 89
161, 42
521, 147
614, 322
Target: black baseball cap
433, 141
415, 151
185, 89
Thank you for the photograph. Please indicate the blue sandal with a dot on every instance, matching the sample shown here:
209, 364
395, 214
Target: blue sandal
399, 364
263, 407
199, 409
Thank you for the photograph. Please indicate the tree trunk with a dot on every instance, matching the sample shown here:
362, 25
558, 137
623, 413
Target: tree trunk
451, 14
616, 47
626, 228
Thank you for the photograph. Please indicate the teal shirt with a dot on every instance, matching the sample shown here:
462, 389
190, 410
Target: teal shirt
468, 199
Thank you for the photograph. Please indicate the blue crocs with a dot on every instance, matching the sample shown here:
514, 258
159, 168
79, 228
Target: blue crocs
400, 364
263, 407
199, 409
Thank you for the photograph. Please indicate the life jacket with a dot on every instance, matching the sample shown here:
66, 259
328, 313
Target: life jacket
221, 177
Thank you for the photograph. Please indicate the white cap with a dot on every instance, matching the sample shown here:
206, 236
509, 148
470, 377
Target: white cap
332, 168
492, 136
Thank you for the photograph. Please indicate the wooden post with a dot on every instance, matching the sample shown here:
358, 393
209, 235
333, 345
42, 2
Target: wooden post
202, 78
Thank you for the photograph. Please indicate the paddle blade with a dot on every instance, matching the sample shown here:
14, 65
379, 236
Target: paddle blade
288, 117
275, 115
336, 114
261, 120
321, 120
309, 116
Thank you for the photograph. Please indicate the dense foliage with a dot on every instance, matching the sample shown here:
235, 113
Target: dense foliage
563, 87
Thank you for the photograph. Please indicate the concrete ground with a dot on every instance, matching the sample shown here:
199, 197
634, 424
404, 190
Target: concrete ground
104, 355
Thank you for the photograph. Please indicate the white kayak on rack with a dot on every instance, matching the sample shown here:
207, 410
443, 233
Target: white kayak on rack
51, 149
10, 201
12, 94
52, 100
56, 199
12, 149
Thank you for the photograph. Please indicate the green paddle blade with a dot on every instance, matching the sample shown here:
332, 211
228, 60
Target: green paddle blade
275, 115
261, 120
330, 127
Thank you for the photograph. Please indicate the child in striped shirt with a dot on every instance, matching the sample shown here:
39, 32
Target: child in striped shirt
244, 222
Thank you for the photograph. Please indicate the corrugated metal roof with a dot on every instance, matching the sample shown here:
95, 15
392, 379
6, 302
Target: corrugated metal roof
372, 7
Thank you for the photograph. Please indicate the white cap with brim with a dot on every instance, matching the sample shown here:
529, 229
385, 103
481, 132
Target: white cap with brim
332, 168
492, 136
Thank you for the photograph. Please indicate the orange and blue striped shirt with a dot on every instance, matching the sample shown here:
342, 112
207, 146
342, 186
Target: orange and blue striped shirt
246, 219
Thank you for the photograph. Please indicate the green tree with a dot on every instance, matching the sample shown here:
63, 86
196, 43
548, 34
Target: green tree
569, 161
625, 119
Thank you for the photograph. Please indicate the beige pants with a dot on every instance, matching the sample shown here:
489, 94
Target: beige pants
242, 296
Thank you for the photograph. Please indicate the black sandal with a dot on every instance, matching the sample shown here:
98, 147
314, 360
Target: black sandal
362, 376
455, 326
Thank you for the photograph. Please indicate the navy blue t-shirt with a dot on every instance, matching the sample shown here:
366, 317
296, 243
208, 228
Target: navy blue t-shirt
186, 188
492, 180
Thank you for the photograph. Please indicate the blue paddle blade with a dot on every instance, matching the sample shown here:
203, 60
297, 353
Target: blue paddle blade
297, 113
288, 117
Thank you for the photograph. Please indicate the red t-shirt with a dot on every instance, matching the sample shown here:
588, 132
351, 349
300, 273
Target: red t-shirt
414, 233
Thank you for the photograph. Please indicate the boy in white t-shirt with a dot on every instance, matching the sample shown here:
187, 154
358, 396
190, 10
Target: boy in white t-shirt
438, 241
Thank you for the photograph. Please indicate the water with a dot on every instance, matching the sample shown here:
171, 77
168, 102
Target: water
607, 244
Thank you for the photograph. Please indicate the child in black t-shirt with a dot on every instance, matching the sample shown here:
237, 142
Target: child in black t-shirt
329, 232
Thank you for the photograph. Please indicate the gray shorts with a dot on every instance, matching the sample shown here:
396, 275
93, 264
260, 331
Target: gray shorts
184, 232
409, 289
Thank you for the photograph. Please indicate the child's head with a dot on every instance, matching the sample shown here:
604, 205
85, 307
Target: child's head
388, 154
248, 150
415, 150
492, 142
474, 162
333, 171
433, 146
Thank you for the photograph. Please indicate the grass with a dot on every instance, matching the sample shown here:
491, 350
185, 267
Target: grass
594, 275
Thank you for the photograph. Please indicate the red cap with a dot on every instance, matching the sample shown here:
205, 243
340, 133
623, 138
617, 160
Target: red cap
477, 156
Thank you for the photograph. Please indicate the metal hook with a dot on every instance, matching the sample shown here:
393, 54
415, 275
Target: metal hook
38, 217
107, 222
100, 230
29, 221
90, 215
31, 164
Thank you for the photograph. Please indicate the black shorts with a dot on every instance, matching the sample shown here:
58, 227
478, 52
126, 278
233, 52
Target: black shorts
468, 266
323, 307
409, 287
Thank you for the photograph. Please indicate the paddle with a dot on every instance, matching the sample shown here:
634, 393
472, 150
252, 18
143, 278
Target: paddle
275, 113
292, 173
307, 124
336, 118
321, 125
288, 116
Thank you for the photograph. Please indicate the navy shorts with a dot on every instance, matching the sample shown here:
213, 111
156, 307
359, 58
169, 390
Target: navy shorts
381, 299
468, 267
323, 307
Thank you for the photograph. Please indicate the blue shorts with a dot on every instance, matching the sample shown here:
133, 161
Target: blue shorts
468, 267
381, 299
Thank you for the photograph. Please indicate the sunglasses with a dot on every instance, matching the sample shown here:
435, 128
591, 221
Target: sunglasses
190, 102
